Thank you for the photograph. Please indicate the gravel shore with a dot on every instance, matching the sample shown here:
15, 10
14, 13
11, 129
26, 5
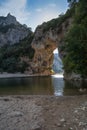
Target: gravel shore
43, 113
18, 75
15, 75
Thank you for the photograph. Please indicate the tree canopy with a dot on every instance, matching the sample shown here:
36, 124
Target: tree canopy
76, 41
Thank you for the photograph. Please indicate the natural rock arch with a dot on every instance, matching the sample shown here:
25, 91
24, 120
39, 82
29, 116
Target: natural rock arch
45, 43
43, 58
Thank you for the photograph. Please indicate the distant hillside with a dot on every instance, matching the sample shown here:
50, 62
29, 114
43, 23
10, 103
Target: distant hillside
15, 45
11, 31
17, 57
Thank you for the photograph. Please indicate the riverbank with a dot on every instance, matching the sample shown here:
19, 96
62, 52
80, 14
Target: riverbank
60, 75
43, 113
19, 75
15, 75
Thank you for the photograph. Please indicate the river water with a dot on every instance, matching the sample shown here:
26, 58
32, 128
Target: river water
49, 85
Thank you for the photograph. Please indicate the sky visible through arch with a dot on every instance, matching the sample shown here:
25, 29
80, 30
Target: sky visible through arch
33, 12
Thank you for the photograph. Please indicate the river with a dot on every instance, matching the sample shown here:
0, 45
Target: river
45, 85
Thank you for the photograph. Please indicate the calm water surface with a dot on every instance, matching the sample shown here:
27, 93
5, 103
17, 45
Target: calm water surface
41, 86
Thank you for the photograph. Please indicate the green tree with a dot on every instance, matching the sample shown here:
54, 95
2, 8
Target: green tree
76, 42
72, 2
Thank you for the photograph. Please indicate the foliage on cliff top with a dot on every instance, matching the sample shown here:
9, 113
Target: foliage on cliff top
76, 42
54, 23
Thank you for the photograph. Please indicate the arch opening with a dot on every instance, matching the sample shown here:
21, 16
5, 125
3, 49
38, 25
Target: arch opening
57, 63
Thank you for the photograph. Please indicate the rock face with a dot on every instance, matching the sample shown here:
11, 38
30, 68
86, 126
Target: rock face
11, 31
43, 57
8, 20
45, 42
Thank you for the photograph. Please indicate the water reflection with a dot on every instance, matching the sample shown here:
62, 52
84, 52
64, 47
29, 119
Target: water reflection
26, 86
58, 84
75, 88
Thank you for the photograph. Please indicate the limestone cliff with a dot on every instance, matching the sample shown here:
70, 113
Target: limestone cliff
11, 31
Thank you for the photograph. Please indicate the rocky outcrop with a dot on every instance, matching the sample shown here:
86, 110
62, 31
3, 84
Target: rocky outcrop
72, 76
45, 42
11, 31
8, 20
